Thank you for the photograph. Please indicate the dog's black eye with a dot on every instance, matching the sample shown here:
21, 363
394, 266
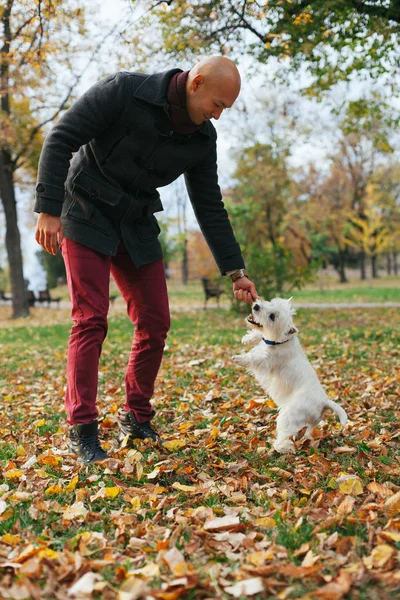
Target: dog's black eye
272, 316
256, 307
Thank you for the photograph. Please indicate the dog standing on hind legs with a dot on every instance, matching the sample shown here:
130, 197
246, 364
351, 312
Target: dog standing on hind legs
280, 365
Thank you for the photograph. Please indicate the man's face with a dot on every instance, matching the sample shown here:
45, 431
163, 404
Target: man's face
208, 101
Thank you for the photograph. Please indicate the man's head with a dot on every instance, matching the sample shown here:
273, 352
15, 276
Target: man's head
213, 84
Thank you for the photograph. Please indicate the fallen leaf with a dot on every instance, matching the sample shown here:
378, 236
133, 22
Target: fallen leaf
335, 589
350, 484
379, 556
75, 511
184, 488
265, 522
247, 587
222, 523
392, 505
85, 585
176, 561
131, 589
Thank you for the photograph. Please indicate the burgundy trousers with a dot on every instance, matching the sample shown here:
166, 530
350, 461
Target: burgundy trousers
145, 293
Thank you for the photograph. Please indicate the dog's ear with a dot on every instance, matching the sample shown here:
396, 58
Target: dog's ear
291, 307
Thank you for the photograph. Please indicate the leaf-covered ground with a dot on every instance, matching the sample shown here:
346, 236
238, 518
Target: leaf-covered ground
213, 512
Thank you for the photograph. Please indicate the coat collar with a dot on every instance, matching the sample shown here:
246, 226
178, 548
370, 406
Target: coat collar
153, 90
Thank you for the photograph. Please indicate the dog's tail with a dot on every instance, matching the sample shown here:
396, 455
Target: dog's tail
338, 410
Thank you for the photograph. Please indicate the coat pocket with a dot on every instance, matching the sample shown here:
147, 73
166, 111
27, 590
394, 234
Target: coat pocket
96, 190
146, 228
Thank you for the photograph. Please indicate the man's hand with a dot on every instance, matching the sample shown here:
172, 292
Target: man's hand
244, 290
48, 232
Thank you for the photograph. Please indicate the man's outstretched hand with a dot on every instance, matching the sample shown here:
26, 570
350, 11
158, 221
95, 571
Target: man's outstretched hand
244, 290
48, 232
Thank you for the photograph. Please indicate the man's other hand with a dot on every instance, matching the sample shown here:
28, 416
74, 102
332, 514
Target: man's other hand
48, 232
244, 290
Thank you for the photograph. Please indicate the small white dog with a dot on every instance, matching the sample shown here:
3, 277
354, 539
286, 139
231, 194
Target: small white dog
279, 364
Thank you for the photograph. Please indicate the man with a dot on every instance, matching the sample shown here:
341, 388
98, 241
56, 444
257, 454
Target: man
132, 133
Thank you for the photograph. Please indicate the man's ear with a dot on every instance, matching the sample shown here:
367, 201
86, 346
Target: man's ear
197, 82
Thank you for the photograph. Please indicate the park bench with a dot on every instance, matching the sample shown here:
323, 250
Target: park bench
4, 297
44, 296
211, 290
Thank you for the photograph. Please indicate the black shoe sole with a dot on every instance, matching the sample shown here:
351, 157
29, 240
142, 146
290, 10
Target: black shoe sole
87, 462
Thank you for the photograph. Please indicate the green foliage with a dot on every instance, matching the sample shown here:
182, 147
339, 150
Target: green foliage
53, 265
258, 209
336, 40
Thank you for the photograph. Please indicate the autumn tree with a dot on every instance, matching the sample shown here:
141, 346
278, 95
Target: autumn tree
333, 39
40, 42
369, 233
259, 204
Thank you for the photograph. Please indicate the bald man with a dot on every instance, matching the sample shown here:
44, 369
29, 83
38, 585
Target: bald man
127, 136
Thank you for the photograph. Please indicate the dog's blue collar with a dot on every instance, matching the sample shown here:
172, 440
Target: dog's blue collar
271, 343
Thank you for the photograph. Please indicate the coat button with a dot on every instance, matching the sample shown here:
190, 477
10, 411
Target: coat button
94, 194
40, 188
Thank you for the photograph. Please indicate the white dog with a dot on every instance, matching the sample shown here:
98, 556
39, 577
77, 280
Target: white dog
279, 364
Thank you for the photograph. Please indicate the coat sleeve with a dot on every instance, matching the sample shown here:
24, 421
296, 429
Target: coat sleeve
89, 116
206, 198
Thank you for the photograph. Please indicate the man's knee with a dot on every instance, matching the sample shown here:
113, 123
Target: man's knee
93, 325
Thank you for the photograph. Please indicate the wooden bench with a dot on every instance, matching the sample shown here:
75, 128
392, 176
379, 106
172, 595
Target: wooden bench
4, 297
211, 290
31, 297
44, 296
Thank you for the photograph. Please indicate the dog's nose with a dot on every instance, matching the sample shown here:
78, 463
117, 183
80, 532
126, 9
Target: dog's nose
256, 307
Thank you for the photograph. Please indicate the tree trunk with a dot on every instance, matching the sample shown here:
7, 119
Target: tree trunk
185, 269
363, 273
395, 265
13, 240
389, 264
374, 267
341, 267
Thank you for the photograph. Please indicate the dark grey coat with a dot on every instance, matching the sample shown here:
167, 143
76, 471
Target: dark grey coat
125, 149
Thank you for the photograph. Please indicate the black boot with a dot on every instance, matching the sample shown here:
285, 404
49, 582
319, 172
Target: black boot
85, 442
129, 426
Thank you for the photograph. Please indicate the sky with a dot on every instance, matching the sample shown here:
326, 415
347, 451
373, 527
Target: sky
316, 148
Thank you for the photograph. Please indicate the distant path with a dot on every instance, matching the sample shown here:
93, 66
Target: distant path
120, 305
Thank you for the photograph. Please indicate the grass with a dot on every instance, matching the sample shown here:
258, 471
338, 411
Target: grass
203, 399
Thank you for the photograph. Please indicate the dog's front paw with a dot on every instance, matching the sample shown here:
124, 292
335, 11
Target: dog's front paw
284, 447
239, 359
251, 338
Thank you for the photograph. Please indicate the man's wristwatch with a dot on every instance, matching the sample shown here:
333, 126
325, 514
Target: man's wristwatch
238, 274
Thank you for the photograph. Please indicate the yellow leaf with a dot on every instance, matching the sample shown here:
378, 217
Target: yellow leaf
257, 558
392, 505
10, 539
135, 502
40, 423
48, 553
21, 451
111, 492
54, 489
379, 556
266, 522
72, 484
13, 474
174, 445
390, 535
184, 488
350, 484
